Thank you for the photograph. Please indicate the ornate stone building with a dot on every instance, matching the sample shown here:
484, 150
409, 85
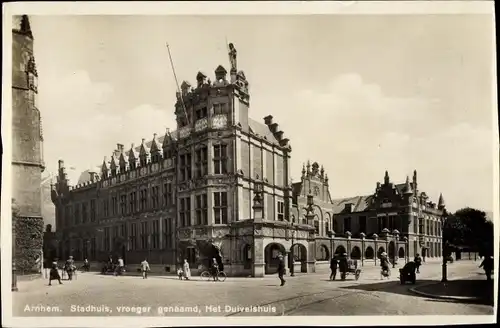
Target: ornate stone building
402, 207
218, 186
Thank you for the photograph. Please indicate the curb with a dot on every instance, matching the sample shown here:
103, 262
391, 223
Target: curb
443, 297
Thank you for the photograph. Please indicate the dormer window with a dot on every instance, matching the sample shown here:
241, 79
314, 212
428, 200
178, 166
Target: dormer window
201, 113
132, 165
167, 153
349, 207
113, 172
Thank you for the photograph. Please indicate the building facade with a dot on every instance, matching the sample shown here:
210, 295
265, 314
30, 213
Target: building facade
27, 137
402, 207
219, 186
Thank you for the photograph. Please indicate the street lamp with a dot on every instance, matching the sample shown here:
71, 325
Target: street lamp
292, 260
444, 217
407, 256
395, 234
363, 236
331, 234
310, 209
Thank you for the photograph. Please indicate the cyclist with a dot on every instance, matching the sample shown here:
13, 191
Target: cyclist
215, 269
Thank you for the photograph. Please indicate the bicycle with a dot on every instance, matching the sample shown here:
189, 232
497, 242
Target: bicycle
221, 276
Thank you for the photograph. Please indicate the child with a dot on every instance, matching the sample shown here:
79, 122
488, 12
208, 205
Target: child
180, 273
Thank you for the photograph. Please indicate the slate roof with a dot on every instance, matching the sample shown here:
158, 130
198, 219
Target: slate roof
361, 203
262, 130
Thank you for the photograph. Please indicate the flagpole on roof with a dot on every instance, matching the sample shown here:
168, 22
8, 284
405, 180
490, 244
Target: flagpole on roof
177, 83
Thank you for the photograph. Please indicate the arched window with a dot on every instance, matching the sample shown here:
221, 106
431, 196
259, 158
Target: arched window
355, 253
369, 253
322, 254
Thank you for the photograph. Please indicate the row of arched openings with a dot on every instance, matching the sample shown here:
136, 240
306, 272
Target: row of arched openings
369, 252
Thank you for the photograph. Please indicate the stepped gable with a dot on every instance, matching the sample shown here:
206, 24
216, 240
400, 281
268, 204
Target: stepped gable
85, 175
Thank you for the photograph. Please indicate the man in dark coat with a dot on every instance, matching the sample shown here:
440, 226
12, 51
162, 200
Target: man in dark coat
281, 269
418, 262
487, 265
333, 266
343, 266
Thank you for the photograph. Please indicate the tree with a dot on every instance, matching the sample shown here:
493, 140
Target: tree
469, 227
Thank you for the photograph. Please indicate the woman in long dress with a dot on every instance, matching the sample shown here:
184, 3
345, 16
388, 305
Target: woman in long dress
187, 271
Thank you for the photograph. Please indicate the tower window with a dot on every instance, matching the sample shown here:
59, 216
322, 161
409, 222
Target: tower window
201, 210
220, 159
201, 162
281, 211
220, 207
185, 211
185, 167
219, 109
201, 113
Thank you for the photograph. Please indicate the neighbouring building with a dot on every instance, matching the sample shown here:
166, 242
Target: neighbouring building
27, 149
394, 206
219, 186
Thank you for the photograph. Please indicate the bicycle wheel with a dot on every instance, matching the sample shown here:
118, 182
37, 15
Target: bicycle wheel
221, 276
205, 275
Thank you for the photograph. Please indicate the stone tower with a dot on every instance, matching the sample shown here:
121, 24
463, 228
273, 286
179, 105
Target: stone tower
27, 139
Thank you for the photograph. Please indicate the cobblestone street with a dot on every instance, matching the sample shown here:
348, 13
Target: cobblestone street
95, 295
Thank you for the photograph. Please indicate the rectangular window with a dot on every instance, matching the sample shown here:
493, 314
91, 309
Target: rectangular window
220, 207
185, 211
144, 199
84, 213
92, 210
167, 194
167, 153
114, 205
220, 159
123, 204
281, 210
77, 213
185, 167
133, 202
133, 236
107, 237
105, 208
155, 240
347, 224
201, 165
220, 109
123, 231
427, 227
201, 210
144, 235
166, 233
93, 248
115, 235
155, 197
316, 227
362, 224
201, 113
421, 225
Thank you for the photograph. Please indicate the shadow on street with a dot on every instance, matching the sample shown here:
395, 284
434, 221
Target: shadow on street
480, 289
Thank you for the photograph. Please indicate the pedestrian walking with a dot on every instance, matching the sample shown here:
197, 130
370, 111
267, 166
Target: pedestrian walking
281, 269
54, 274
343, 266
333, 267
145, 268
69, 267
86, 265
487, 266
120, 267
418, 262
384, 266
186, 270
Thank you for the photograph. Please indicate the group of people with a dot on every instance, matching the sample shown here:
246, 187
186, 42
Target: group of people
185, 271
339, 262
69, 267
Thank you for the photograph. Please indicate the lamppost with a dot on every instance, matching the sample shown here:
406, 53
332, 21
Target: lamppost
407, 256
292, 260
363, 236
395, 234
310, 209
444, 217
331, 234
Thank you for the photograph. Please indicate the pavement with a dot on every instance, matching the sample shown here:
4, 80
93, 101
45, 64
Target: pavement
305, 294
474, 289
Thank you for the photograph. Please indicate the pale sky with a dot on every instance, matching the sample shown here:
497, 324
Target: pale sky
358, 94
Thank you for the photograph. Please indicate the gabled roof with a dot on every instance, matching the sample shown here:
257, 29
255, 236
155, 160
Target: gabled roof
361, 204
155, 144
123, 158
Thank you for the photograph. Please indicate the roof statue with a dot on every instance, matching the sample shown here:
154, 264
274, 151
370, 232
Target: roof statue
232, 56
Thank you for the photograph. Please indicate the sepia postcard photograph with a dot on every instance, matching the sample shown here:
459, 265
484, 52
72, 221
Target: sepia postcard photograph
249, 163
